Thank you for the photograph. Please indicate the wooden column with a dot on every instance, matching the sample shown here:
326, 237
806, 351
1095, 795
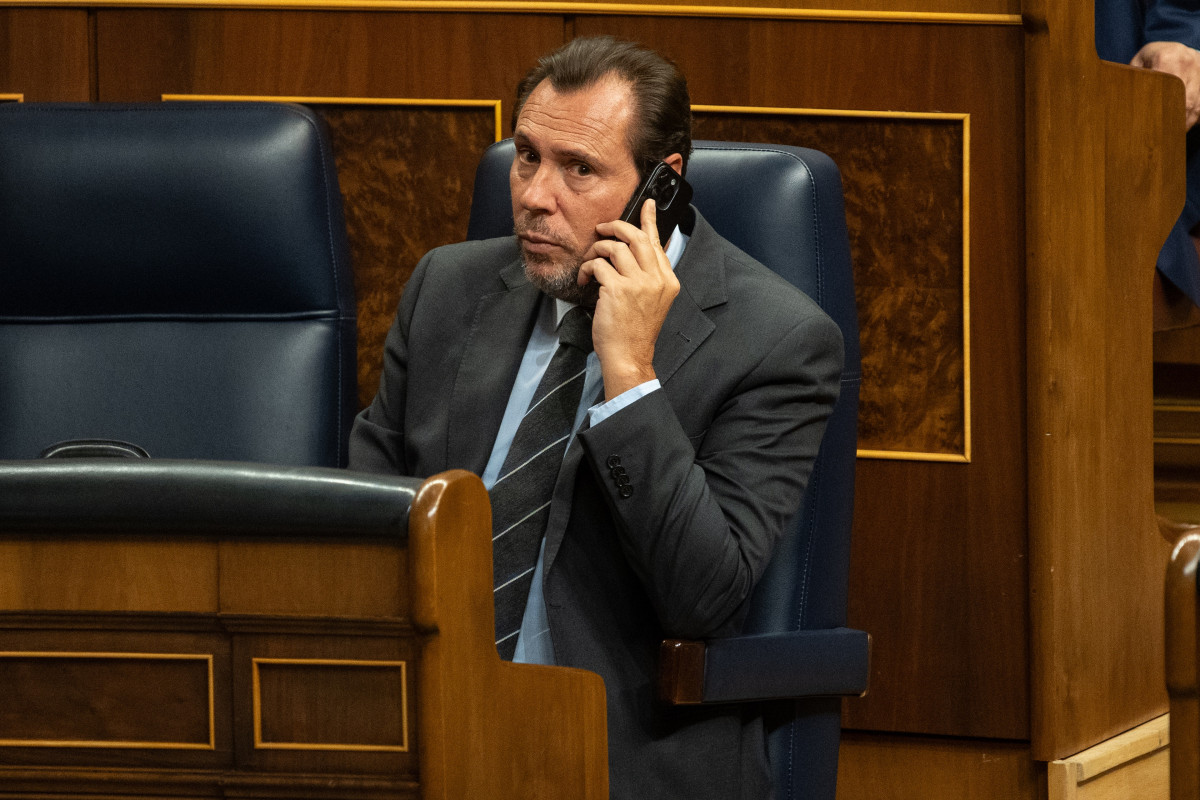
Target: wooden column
1104, 183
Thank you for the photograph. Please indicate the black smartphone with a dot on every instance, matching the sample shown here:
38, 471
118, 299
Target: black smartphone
671, 195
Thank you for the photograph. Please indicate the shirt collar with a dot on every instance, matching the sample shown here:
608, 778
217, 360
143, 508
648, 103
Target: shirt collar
673, 251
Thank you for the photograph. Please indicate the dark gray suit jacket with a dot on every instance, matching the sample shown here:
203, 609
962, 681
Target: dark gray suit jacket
718, 461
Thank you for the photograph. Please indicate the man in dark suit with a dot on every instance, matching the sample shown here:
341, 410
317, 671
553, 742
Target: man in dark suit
700, 412
1164, 35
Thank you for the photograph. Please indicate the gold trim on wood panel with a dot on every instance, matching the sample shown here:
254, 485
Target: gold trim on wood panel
212, 728
11, 98
901, 455
495, 105
831, 112
1187, 408
256, 701
1189, 441
599, 9
966, 287
965, 118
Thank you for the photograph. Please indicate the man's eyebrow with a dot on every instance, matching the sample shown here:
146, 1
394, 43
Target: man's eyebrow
570, 153
576, 155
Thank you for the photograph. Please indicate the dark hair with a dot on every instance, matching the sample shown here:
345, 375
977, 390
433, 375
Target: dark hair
663, 119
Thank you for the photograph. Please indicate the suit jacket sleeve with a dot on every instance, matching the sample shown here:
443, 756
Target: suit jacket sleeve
705, 513
1173, 21
377, 437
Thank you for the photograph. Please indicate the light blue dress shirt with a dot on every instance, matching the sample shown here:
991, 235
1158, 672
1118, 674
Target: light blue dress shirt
533, 640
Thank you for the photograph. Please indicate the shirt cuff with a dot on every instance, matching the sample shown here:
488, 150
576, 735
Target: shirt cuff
602, 411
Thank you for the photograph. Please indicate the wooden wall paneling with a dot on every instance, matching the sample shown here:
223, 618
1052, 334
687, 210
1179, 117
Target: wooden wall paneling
939, 569
1134, 764
910, 266
166, 697
883, 767
45, 54
129, 575
169, 700
329, 703
347, 579
1099, 204
145, 53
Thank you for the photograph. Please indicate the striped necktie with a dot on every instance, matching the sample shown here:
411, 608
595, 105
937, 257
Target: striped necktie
521, 495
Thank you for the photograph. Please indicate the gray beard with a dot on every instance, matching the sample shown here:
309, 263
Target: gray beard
561, 285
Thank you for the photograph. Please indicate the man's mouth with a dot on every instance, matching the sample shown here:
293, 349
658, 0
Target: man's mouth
536, 243
536, 239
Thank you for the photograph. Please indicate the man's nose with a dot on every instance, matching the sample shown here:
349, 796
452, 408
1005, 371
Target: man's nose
540, 192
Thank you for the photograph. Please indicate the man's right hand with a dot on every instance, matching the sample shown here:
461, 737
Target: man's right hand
637, 287
1179, 60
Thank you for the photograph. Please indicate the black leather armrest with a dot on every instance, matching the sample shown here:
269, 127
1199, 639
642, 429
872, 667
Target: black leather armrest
199, 497
819, 663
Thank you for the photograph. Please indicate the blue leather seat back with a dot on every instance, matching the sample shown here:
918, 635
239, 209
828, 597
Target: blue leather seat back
175, 275
783, 206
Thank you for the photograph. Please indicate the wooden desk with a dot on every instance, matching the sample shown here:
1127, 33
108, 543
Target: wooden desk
265, 665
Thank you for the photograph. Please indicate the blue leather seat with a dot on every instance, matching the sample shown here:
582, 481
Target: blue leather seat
175, 275
783, 206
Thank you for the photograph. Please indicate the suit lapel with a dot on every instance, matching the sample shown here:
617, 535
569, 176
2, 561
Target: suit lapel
701, 273
491, 358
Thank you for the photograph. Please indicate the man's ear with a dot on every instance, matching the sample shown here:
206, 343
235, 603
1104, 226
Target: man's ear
675, 162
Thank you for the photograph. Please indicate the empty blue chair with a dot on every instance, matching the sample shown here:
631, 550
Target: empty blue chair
177, 276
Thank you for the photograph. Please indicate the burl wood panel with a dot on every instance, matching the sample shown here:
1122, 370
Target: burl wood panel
903, 181
406, 176
45, 54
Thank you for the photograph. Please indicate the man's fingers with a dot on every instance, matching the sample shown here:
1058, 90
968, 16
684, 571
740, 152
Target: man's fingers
1175, 58
618, 254
650, 221
598, 269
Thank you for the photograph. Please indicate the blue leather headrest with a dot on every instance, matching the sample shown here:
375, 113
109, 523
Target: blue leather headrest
112, 210
174, 275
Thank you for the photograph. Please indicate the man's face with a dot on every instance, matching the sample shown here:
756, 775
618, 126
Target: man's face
573, 170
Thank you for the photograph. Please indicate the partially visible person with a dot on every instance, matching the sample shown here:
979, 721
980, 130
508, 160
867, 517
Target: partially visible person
1164, 35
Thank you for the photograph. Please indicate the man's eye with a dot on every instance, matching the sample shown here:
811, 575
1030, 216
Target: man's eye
583, 169
527, 156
